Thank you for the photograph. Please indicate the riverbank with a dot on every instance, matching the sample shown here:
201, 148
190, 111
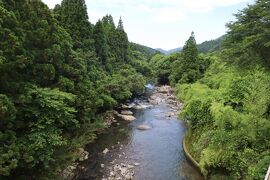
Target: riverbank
190, 158
146, 148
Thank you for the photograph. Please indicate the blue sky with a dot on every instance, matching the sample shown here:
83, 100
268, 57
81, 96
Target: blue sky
166, 24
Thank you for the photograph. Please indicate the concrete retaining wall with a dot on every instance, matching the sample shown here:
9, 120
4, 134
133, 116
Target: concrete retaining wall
191, 159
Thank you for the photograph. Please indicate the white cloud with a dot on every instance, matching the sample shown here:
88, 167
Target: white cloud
169, 15
162, 10
52, 3
200, 6
165, 11
165, 23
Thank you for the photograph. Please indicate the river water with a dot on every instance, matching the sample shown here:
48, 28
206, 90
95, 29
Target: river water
158, 150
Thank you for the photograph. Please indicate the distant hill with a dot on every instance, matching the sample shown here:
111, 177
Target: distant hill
146, 51
168, 51
205, 47
174, 50
162, 51
212, 45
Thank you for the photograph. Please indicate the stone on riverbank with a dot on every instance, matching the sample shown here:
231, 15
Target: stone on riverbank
164, 89
83, 155
68, 173
123, 171
125, 117
105, 151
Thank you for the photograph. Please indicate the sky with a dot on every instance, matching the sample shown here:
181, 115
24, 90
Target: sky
166, 24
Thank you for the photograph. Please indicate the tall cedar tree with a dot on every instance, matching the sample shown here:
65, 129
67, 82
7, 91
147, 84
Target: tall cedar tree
186, 68
72, 14
123, 41
101, 45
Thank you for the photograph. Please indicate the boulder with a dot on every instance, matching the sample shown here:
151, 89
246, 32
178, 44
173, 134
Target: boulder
130, 166
124, 106
143, 127
125, 112
138, 107
127, 117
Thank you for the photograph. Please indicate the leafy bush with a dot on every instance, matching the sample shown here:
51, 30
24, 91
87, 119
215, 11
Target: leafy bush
233, 112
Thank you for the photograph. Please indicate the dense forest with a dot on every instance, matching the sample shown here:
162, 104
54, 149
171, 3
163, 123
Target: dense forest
226, 97
59, 75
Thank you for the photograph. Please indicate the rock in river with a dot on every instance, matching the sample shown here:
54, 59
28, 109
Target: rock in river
136, 164
125, 117
143, 127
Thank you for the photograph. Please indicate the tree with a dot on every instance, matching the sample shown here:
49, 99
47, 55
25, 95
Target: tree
186, 68
248, 37
120, 25
123, 43
73, 16
101, 45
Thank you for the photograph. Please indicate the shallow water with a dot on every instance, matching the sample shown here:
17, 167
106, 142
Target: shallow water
158, 150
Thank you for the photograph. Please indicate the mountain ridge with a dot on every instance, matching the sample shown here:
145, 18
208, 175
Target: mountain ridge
204, 47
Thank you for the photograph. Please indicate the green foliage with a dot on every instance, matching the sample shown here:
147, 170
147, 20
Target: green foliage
31, 134
125, 83
52, 116
8, 148
196, 108
144, 50
72, 15
189, 66
228, 109
162, 65
101, 42
140, 63
248, 36
59, 75
212, 45
233, 112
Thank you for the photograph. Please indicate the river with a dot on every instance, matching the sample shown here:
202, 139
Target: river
154, 154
